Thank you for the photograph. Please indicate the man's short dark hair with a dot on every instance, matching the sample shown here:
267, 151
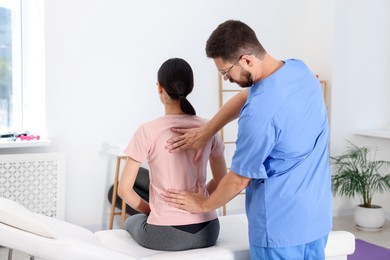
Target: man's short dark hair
232, 39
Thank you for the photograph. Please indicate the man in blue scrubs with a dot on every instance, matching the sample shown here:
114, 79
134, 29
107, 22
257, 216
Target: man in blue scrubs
281, 155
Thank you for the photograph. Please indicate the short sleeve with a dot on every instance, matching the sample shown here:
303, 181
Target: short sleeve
217, 146
255, 141
139, 145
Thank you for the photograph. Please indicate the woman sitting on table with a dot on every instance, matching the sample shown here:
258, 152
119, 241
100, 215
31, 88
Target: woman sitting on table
161, 226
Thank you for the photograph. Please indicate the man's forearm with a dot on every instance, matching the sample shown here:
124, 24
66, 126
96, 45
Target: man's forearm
228, 112
230, 185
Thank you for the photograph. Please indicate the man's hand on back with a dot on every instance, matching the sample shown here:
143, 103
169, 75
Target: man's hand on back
190, 138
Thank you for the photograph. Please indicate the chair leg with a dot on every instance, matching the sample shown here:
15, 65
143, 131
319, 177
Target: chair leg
10, 250
123, 213
114, 192
32, 257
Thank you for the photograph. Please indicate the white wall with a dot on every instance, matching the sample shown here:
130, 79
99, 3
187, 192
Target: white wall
361, 81
102, 57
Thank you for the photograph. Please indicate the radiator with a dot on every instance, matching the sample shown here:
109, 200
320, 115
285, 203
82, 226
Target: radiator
36, 181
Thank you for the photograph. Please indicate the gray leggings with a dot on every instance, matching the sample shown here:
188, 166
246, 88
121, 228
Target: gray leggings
168, 238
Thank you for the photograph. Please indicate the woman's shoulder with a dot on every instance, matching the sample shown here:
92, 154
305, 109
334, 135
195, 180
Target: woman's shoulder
201, 120
153, 122
184, 120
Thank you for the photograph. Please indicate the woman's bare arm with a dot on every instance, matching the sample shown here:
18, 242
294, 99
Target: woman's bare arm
219, 170
126, 183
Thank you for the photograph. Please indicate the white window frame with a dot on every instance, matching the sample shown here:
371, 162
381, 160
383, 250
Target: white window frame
33, 67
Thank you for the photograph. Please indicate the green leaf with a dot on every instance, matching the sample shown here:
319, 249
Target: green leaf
357, 173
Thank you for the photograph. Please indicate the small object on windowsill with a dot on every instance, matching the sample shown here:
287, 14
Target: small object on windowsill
13, 136
7, 135
29, 137
22, 139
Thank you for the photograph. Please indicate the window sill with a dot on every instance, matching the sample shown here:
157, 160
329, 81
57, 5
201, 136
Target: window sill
23, 144
377, 133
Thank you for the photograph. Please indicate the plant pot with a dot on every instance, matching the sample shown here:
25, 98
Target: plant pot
370, 219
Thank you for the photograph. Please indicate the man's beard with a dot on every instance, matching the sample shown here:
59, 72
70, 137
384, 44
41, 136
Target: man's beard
247, 80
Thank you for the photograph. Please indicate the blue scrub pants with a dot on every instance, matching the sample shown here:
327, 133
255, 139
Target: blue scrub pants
311, 251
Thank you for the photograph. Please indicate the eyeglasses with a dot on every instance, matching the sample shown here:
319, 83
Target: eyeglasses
224, 73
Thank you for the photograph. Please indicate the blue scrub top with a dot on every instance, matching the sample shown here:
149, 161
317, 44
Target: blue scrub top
282, 145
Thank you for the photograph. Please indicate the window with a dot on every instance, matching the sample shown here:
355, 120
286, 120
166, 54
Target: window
10, 65
22, 67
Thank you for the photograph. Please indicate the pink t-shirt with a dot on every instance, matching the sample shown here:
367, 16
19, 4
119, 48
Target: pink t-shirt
172, 170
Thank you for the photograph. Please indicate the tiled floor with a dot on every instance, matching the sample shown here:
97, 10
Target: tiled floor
381, 238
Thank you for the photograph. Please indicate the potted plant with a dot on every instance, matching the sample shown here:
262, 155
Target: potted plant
358, 173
